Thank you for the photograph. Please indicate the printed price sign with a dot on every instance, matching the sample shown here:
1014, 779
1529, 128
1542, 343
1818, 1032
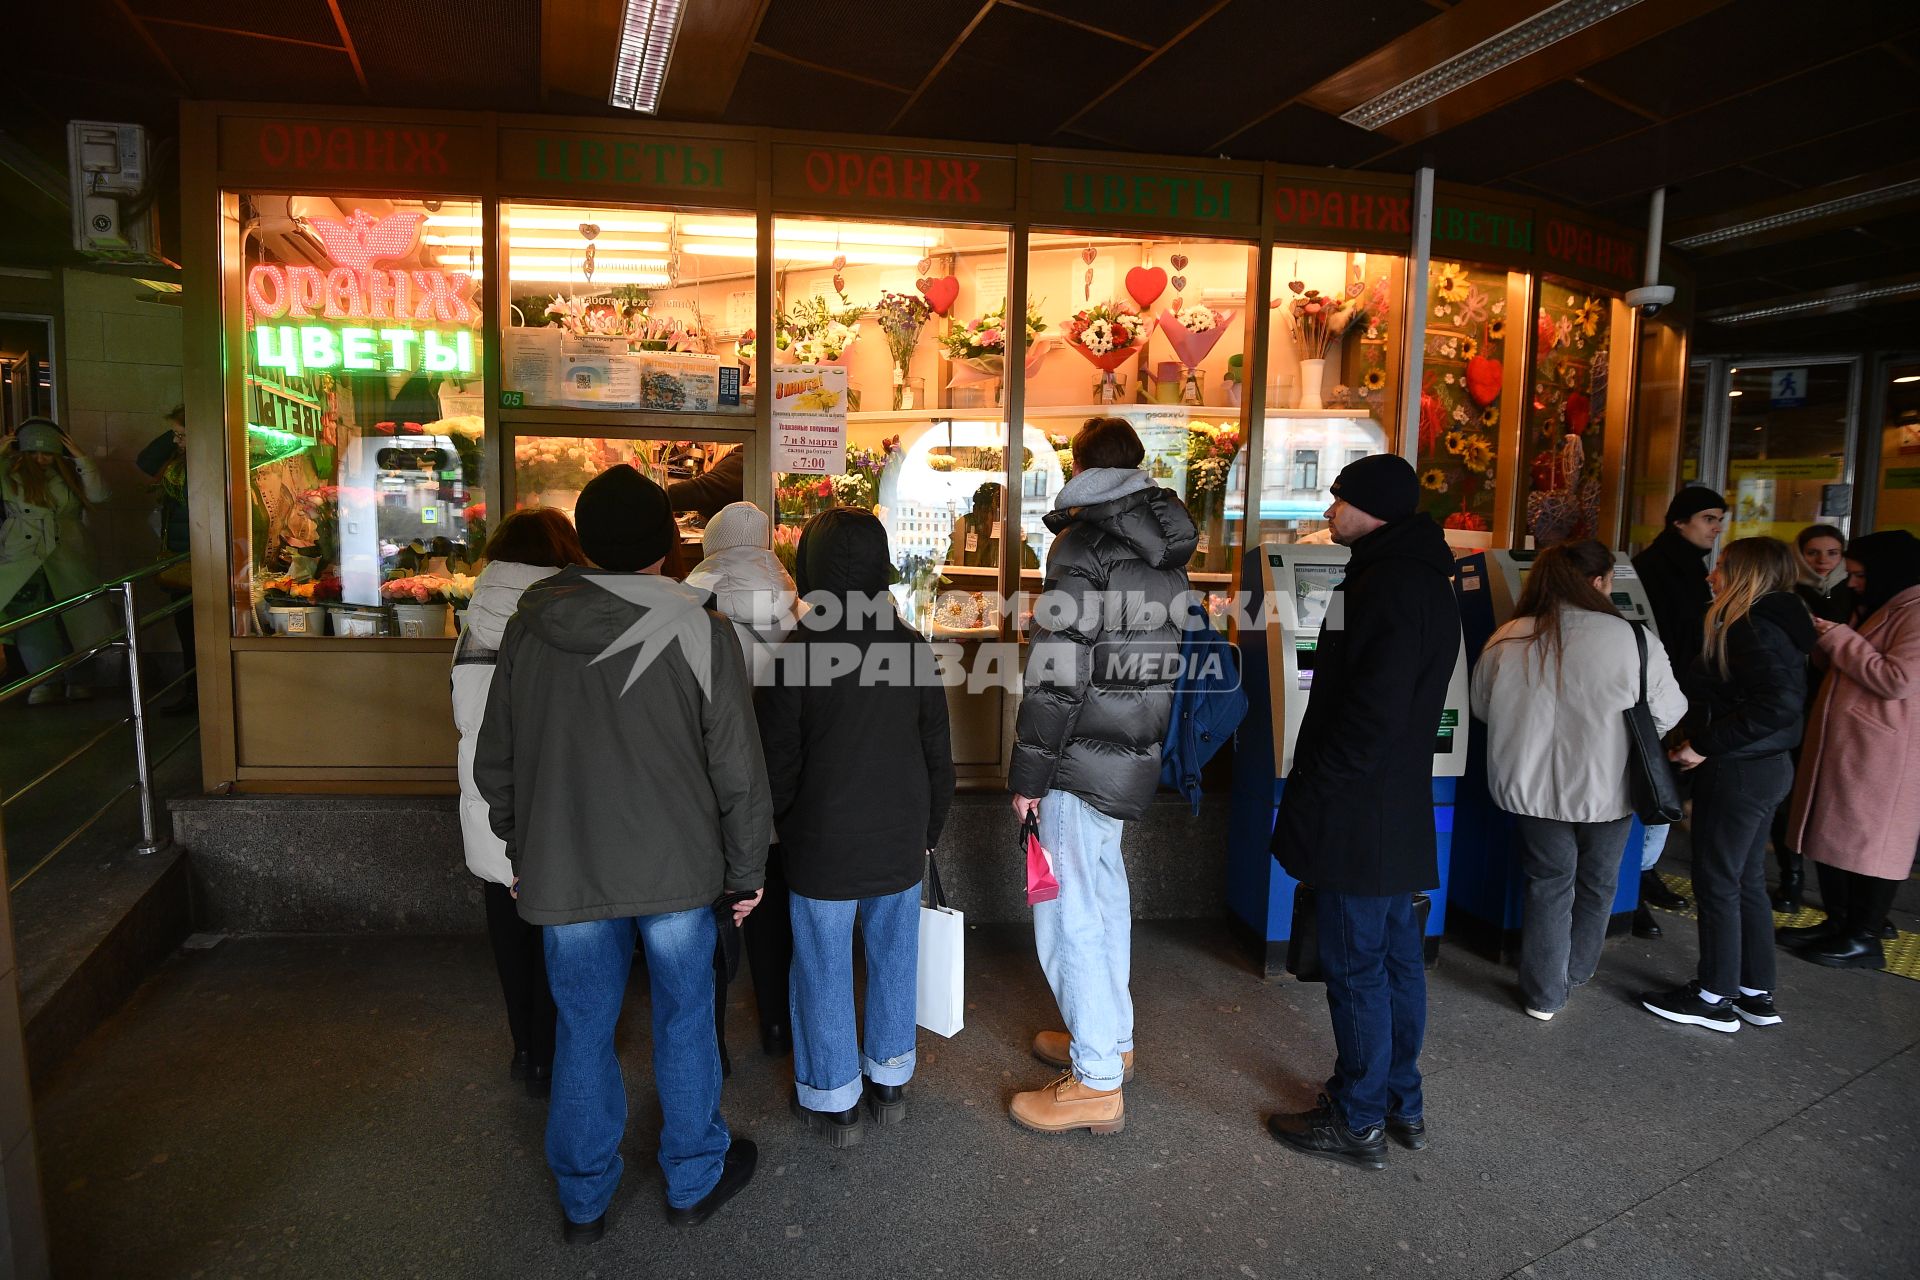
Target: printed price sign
810, 419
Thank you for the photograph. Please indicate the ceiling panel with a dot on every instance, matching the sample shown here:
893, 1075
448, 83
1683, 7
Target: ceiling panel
1299, 134
223, 66
294, 19
1732, 48
775, 92
1554, 119
493, 63
1152, 21
897, 44
1838, 157
1247, 59
986, 94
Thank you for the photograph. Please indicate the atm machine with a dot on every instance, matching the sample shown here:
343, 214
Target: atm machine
1487, 890
1276, 670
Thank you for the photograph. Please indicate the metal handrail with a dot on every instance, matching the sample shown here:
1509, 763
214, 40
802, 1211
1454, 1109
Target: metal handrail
132, 623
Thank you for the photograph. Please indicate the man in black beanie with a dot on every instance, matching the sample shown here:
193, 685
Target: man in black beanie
1673, 569
631, 794
1356, 815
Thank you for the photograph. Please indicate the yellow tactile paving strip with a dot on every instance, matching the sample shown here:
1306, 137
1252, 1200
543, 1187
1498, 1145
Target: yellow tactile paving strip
1903, 953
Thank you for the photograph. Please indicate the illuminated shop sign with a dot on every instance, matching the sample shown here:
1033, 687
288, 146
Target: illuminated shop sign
1342, 213
893, 178
360, 149
1583, 251
656, 164
1483, 228
391, 300
1097, 193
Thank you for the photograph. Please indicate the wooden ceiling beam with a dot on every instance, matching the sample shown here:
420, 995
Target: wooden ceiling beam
708, 56
1470, 23
578, 40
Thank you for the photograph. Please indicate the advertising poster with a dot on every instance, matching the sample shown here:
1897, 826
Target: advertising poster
810, 419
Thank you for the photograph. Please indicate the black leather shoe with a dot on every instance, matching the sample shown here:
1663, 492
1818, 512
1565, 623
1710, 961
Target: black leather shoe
522, 1060
1644, 925
1318, 1133
886, 1103
539, 1080
1786, 899
582, 1232
1654, 892
777, 1039
1887, 932
735, 1174
1849, 951
841, 1127
1411, 1134
1800, 937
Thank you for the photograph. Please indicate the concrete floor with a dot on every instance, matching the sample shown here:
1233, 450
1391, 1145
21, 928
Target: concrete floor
339, 1107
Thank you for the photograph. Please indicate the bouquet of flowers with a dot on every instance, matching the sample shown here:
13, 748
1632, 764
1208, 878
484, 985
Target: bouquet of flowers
1318, 320
460, 589
901, 317
559, 462
284, 590
814, 333
980, 348
1108, 336
1193, 333
786, 545
1210, 454
797, 496
419, 589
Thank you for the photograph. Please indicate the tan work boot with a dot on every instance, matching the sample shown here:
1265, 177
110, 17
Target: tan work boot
1066, 1104
1055, 1048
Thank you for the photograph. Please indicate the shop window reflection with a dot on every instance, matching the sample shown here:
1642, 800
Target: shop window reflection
1463, 399
1567, 413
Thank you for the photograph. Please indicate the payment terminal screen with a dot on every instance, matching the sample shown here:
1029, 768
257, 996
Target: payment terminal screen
1313, 586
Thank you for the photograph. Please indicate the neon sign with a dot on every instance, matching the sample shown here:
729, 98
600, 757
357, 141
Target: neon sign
357, 288
297, 348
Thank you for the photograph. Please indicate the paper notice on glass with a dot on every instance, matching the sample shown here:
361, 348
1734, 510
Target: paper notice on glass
738, 317
810, 419
990, 288
598, 371
532, 363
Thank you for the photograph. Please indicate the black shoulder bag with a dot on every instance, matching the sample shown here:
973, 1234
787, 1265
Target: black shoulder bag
1650, 780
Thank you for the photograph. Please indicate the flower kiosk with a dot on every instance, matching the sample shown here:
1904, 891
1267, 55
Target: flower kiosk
401, 325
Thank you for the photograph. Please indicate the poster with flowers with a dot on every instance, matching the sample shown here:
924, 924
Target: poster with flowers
1370, 332
1460, 407
1567, 415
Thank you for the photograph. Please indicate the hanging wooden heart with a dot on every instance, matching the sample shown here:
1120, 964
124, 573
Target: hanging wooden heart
1179, 261
839, 284
1145, 285
940, 293
1179, 282
1177, 301
1086, 289
1088, 254
923, 267
589, 230
839, 262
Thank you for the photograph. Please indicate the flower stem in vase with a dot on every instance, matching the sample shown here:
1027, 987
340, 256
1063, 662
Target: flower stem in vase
1192, 386
1107, 389
1311, 373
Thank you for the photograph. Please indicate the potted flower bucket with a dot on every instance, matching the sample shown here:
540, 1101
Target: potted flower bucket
359, 620
423, 621
297, 620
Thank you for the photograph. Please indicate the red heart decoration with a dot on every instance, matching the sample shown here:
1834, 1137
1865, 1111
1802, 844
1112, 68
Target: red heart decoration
1088, 254
1483, 380
1179, 261
839, 261
1579, 412
1145, 285
839, 284
1177, 300
589, 230
940, 294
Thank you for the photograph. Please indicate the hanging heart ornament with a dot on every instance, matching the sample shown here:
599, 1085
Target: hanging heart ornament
1179, 283
589, 230
1145, 285
839, 262
839, 284
1087, 290
940, 293
923, 267
1088, 254
1177, 302
1179, 261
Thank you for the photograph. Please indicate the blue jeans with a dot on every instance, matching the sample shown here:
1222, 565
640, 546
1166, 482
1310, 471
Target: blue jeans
587, 967
1375, 964
827, 1059
1085, 936
1656, 843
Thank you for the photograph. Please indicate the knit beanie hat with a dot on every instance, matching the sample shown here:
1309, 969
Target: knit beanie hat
624, 520
1382, 484
38, 435
738, 524
1691, 501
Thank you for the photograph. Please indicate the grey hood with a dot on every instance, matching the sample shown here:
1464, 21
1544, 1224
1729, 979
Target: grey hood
1125, 504
496, 594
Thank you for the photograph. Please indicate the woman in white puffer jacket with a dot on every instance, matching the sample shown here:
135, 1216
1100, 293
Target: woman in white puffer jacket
529, 545
752, 588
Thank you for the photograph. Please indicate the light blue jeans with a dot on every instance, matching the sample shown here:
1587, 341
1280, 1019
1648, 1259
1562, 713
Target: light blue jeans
1656, 844
827, 1058
587, 967
1085, 936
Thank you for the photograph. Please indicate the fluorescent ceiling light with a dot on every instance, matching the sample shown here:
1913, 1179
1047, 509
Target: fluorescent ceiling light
1806, 213
647, 31
1736, 393
1522, 40
1819, 302
1911, 377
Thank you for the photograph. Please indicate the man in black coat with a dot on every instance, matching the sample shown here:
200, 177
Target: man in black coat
1673, 569
1356, 816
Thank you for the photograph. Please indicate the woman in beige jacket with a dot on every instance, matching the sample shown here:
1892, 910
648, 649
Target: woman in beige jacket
1856, 799
1552, 685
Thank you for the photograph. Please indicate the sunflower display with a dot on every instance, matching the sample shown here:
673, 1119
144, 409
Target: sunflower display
1433, 480
1490, 416
1374, 380
1460, 394
1567, 414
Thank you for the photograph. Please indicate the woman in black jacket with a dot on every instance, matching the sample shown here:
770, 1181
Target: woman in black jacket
854, 728
1747, 692
1823, 586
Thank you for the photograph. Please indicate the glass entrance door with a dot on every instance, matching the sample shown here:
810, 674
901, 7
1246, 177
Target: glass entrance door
1897, 492
1789, 457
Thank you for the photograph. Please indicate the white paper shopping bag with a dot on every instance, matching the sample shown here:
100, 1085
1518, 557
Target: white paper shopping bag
942, 985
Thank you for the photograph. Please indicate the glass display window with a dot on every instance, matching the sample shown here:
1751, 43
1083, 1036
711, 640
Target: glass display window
622, 309
1464, 400
364, 420
1567, 413
1897, 501
899, 330
1787, 464
1333, 376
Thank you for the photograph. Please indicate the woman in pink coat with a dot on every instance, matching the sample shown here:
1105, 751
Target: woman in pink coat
1856, 802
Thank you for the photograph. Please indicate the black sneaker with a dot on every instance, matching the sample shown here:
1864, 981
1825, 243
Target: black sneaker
1321, 1132
1683, 1004
1757, 1011
1411, 1134
841, 1127
735, 1174
582, 1232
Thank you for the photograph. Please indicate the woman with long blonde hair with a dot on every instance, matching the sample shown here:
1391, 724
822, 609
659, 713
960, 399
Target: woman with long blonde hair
47, 483
1746, 696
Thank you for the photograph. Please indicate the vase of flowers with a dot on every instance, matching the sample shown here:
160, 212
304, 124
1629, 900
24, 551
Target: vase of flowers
978, 349
815, 333
1318, 322
1107, 336
420, 604
902, 316
1193, 334
1211, 452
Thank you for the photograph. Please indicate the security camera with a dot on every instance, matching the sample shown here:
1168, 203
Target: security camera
1649, 298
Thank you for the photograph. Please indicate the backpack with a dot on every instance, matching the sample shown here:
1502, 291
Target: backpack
1208, 706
